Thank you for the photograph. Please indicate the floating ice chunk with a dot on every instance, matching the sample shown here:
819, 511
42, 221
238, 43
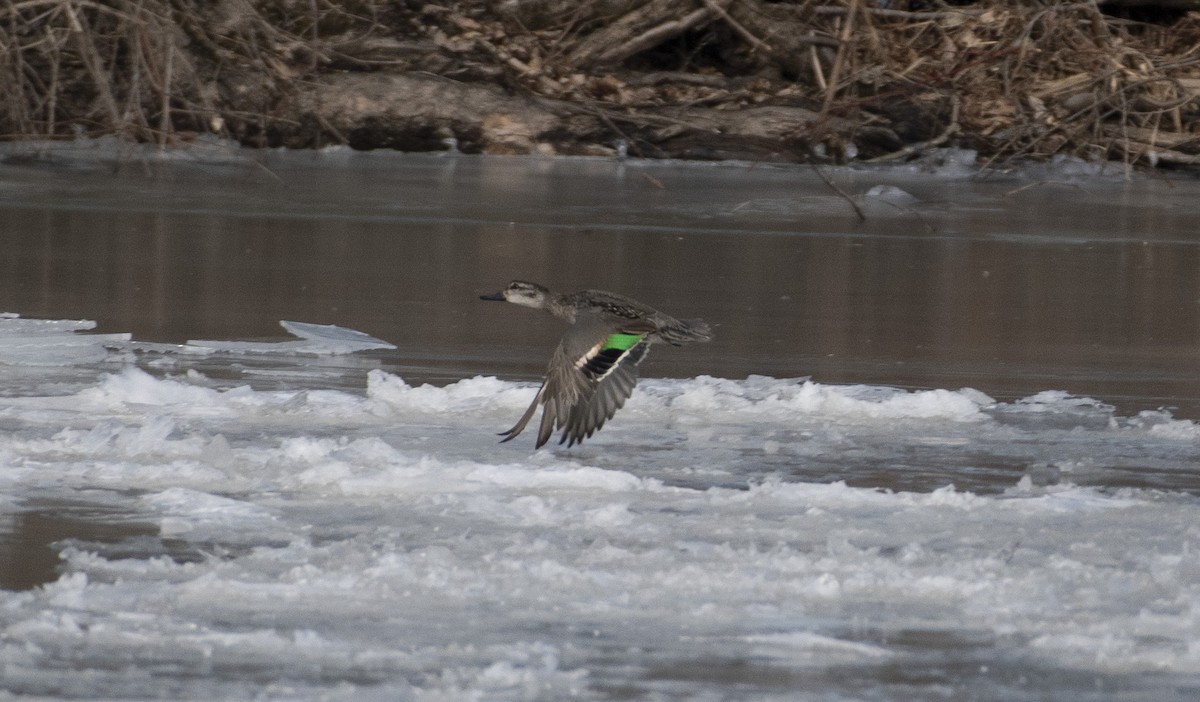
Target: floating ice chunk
779, 399
1176, 429
949, 497
1057, 400
1056, 409
335, 336
315, 339
1071, 169
191, 511
1041, 474
469, 394
1160, 423
803, 645
585, 478
892, 195
45, 342
12, 323
133, 387
948, 163
52, 342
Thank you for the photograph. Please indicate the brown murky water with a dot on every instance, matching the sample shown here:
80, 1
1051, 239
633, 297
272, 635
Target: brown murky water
1010, 287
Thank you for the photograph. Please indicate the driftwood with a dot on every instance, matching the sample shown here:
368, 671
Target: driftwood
419, 113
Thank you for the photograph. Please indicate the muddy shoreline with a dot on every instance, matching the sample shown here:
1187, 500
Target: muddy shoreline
801, 81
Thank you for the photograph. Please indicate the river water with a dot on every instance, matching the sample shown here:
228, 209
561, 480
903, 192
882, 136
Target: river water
943, 445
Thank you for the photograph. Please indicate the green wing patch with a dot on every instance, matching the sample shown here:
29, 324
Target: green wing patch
621, 342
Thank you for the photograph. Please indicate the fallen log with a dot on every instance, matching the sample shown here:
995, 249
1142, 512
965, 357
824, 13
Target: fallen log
413, 113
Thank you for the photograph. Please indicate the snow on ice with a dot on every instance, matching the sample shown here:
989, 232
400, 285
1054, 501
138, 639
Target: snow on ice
722, 539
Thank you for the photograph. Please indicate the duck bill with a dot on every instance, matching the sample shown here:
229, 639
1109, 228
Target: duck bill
495, 297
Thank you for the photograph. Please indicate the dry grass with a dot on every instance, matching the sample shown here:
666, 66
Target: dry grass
95, 67
1012, 79
1034, 80
158, 70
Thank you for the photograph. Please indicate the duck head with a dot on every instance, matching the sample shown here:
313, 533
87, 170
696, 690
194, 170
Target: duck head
520, 292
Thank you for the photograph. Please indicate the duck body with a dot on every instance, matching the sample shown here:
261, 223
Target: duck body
593, 370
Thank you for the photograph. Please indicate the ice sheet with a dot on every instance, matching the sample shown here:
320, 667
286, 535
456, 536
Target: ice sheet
45, 342
721, 537
315, 339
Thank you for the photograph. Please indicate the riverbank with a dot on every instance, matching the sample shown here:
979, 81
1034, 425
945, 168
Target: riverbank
689, 79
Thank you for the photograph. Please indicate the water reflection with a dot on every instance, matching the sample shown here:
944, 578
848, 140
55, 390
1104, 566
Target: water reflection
31, 537
934, 298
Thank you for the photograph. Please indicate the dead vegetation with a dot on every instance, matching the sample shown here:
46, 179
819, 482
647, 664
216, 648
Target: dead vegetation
802, 80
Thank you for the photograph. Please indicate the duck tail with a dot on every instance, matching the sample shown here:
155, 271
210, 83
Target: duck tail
685, 331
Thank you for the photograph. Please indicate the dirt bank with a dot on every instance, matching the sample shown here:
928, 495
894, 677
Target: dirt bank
826, 80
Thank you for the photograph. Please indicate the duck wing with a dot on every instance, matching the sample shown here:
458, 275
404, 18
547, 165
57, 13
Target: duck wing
614, 371
561, 389
524, 420
591, 374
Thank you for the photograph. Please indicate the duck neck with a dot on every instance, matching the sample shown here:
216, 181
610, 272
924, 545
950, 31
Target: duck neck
561, 307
